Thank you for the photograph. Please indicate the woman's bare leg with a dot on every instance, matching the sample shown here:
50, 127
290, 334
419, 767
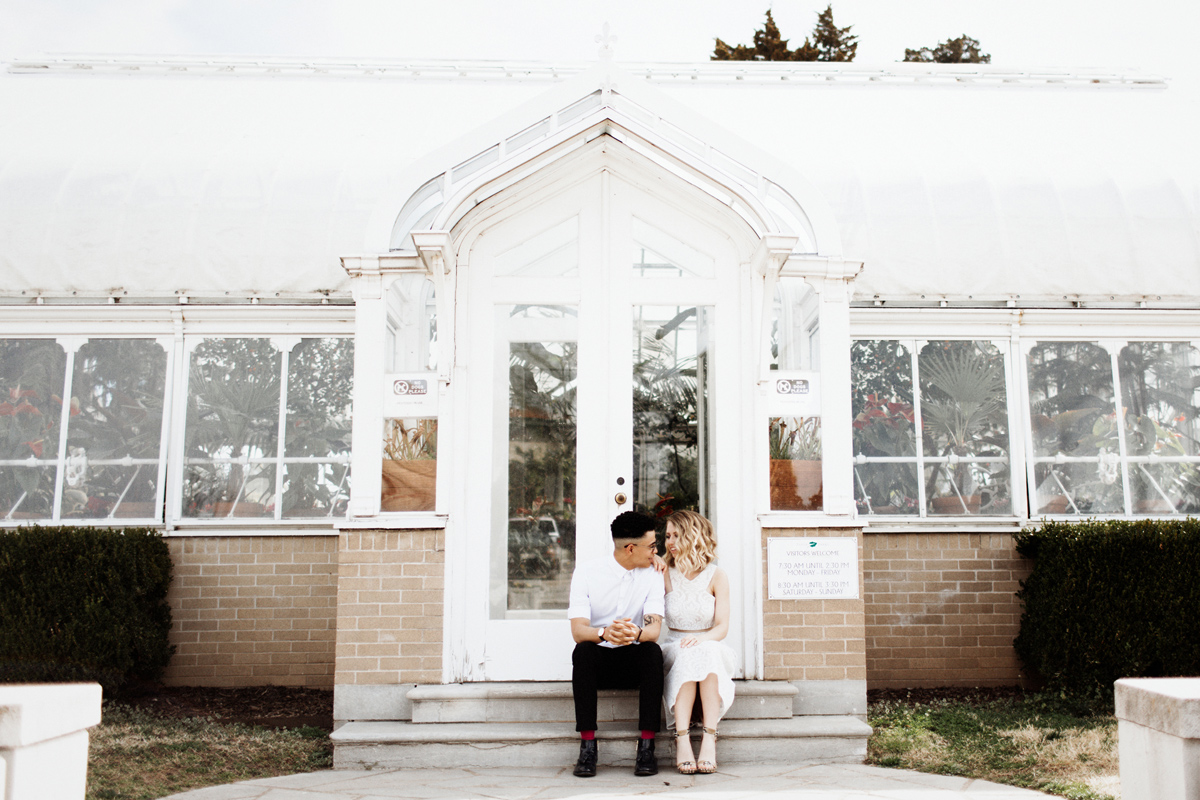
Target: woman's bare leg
683, 721
710, 708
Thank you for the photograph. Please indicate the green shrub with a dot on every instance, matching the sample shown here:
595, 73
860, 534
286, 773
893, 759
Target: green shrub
84, 604
1109, 600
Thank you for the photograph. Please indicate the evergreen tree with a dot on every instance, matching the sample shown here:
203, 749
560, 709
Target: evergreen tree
963, 50
832, 44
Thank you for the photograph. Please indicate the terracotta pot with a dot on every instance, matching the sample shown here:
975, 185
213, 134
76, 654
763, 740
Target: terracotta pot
293, 513
886, 510
796, 485
409, 485
1058, 504
242, 510
138, 510
1153, 505
952, 505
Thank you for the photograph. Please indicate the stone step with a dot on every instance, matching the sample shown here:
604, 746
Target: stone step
552, 702
408, 745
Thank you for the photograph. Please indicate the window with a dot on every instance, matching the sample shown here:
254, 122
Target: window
267, 433
107, 463
1090, 459
960, 464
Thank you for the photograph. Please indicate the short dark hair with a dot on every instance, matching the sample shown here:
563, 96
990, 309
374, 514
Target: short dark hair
632, 525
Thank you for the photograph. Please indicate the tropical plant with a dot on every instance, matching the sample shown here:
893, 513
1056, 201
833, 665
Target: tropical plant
666, 412
795, 438
410, 439
32, 371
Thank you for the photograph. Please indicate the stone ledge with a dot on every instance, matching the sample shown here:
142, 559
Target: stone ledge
1169, 705
33, 713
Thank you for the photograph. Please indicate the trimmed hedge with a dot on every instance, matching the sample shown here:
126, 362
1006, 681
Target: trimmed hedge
1109, 600
84, 604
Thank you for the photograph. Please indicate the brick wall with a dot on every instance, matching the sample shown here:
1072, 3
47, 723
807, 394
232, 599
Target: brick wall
389, 624
941, 609
253, 610
818, 640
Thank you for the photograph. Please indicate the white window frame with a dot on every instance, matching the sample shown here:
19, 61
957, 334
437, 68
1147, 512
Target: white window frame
1020, 330
175, 327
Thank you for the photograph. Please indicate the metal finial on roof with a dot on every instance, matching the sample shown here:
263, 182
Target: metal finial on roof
606, 41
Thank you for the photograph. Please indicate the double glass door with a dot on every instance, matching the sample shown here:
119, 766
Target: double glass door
594, 324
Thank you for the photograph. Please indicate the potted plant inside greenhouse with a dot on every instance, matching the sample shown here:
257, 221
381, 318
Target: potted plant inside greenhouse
883, 428
965, 428
409, 465
795, 448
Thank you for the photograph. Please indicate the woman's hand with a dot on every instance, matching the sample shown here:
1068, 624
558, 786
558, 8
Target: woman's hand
659, 565
690, 641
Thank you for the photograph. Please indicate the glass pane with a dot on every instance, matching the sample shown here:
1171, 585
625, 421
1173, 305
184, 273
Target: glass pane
881, 398
115, 430
672, 408
232, 424
32, 372
964, 412
409, 465
795, 326
1071, 412
319, 404
411, 342
553, 253
659, 255
316, 490
795, 447
538, 528
1161, 399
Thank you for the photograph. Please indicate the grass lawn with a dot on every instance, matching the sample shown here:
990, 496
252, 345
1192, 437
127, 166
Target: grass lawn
136, 754
1031, 741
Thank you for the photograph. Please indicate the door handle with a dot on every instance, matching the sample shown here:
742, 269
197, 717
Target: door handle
620, 498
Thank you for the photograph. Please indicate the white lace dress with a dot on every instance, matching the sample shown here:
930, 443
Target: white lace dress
690, 609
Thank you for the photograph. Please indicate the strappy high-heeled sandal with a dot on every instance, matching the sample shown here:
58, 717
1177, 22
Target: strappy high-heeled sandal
707, 767
684, 767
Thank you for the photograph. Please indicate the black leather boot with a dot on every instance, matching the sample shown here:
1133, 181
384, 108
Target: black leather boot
646, 762
585, 767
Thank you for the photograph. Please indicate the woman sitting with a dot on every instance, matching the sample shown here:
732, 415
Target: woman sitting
694, 657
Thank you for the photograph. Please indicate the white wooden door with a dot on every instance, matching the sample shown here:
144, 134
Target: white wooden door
601, 323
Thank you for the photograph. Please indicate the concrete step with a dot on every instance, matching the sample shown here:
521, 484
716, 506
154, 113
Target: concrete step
552, 702
409, 745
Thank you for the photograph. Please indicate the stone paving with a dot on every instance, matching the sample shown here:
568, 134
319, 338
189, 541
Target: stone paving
823, 782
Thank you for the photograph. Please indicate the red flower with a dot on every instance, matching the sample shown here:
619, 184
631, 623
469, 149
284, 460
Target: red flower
26, 408
6, 409
18, 393
36, 447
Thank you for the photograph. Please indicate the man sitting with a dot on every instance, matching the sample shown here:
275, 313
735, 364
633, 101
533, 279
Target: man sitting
616, 611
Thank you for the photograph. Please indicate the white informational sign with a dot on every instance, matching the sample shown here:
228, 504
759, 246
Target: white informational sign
812, 569
410, 395
794, 394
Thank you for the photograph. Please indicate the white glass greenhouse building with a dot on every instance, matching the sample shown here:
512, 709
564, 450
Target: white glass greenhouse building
381, 348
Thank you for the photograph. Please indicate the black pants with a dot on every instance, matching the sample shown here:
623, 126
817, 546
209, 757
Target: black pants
634, 666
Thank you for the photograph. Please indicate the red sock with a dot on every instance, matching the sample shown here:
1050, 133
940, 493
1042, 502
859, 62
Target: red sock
587, 736
647, 734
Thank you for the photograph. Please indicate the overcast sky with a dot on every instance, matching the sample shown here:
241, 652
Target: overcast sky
1154, 35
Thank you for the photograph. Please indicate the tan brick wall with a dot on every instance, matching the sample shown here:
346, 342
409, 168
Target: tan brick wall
253, 610
812, 639
941, 609
389, 625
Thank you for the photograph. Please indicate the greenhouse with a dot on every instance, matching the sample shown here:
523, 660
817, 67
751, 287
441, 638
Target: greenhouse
382, 347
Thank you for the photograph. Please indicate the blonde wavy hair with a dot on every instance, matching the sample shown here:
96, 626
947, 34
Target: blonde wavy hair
697, 542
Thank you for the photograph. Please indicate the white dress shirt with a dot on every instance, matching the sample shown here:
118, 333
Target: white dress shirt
602, 591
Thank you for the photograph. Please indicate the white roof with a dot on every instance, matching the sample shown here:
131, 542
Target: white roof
155, 177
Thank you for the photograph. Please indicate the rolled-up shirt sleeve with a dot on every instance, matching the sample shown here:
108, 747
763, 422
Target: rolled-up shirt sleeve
580, 604
656, 598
